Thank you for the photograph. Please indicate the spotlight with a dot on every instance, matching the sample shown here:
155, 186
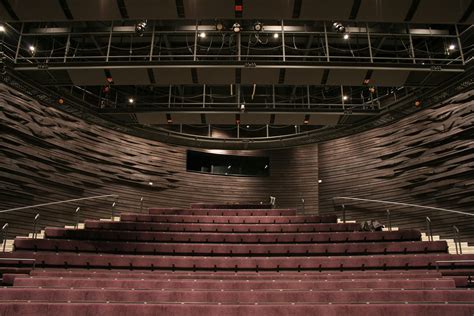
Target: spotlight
346, 36
276, 35
345, 97
131, 100
417, 103
320, 181
258, 27
202, 35
2, 29
339, 27
248, 126
242, 107
32, 49
452, 47
140, 27
236, 27
61, 101
150, 183
219, 26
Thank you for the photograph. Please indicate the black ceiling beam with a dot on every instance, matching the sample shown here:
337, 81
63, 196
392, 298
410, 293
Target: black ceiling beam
123, 9
467, 13
355, 9
297, 9
9, 9
411, 11
66, 10
180, 9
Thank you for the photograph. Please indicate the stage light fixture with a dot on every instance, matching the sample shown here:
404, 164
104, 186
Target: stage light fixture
258, 27
417, 103
452, 47
202, 35
61, 101
140, 27
242, 107
32, 49
345, 97
276, 35
131, 100
320, 181
2, 29
236, 27
219, 26
150, 183
339, 27
346, 36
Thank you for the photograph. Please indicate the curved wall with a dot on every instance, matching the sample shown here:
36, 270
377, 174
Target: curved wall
426, 158
47, 155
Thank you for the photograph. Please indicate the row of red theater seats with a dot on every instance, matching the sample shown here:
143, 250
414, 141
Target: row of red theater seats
325, 237
236, 297
132, 217
243, 275
231, 249
223, 228
259, 206
234, 285
88, 260
198, 309
223, 212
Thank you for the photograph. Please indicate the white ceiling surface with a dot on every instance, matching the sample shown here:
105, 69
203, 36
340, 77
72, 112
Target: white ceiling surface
428, 11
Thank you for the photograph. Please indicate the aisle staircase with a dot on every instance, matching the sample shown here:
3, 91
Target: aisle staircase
238, 260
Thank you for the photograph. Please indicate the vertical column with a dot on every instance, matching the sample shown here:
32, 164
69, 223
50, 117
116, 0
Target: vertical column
152, 45
19, 42
326, 42
459, 44
283, 40
369, 42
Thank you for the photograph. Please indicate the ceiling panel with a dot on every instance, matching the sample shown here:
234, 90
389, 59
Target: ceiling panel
259, 9
172, 76
152, 118
260, 75
216, 75
89, 10
87, 77
220, 118
299, 76
289, 119
346, 77
326, 10
255, 118
383, 10
389, 78
323, 119
137, 76
186, 118
440, 11
151, 9
34, 10
209, 9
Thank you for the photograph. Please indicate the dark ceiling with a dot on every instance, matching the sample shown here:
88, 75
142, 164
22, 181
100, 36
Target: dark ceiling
181, 72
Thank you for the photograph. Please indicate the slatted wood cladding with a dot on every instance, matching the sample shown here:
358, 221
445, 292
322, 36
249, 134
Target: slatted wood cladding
47, 155
427, 159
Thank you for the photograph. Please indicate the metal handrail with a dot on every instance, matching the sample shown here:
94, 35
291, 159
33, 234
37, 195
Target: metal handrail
59, 202
457, 240
403, 204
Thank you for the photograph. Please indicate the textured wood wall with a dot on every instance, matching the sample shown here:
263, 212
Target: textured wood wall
47, 155
427, 159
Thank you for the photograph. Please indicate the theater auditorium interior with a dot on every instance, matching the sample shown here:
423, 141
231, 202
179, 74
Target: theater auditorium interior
236, 157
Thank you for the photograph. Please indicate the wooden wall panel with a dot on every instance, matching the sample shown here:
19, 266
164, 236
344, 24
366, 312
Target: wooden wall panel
427, 159
47, 155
